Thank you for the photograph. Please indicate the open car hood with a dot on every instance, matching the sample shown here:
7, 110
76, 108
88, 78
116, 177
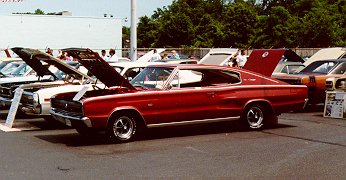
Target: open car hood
99, 67
33, 58
264, 61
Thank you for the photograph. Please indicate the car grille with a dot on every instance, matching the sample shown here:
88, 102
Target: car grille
68, 106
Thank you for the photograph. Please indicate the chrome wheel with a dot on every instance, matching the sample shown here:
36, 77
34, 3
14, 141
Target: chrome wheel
254, 117
123, 128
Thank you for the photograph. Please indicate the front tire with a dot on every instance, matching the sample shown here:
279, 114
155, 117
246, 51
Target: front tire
257, 116
122, 128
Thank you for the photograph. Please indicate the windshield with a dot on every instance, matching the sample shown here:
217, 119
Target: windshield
322, 67
3, 64
289, 69
9, 68
152, 77
21, 70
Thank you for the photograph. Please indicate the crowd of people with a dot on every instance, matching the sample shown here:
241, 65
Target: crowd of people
174, 55
237, 60
65, 56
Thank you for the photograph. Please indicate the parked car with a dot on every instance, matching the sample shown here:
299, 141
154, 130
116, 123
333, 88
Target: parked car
336, 83
218, 56
44, 72
168, 95
35, 99
314, 77
327, 53
36, 96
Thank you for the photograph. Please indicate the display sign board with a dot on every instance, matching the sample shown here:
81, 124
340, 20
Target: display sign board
335, 104
14, 107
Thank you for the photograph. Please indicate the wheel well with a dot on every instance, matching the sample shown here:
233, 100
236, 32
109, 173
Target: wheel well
265, 104
138, 118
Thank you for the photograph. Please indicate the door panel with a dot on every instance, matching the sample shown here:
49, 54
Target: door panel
187, 104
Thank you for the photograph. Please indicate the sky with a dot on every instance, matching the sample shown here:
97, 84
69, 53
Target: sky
90, 8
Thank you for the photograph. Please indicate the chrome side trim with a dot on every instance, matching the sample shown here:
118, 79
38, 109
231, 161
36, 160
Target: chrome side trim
182, 123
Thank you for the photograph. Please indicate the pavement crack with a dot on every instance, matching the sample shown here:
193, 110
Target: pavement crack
306, 139
66, 170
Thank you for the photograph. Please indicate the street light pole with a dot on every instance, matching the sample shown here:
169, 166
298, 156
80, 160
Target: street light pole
133, 33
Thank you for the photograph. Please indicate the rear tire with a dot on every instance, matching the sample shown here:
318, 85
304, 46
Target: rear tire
122, 128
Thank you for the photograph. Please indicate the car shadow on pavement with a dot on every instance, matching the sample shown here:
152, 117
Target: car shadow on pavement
74, 139
311, 108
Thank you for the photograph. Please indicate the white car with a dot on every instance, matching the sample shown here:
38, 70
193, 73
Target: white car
50, 71
36, 98
218, 56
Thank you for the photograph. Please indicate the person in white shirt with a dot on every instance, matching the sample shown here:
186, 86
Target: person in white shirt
103, 55
155, 57
113, 56
241, 58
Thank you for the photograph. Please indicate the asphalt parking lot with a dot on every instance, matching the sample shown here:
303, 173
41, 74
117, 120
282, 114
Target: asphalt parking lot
304, 145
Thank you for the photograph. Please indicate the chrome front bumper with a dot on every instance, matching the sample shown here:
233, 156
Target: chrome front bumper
69, 120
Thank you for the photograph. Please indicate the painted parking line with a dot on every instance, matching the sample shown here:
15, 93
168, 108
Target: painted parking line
18, 126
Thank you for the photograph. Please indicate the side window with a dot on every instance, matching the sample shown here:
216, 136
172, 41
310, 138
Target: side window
284, 70
187, 79
204, 78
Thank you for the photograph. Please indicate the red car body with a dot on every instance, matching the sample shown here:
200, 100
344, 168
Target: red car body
208, 94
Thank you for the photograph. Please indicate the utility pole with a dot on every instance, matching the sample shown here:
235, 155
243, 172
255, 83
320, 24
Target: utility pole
133, 32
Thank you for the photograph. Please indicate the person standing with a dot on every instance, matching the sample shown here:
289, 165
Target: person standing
103, 55
165, 56
49, 51
241, 58
155, 57
68, 57
175, 55
113, 56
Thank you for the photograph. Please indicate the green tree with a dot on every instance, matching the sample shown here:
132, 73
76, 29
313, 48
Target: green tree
271, 30
240, 21
39, 12
126, 37
148, 32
